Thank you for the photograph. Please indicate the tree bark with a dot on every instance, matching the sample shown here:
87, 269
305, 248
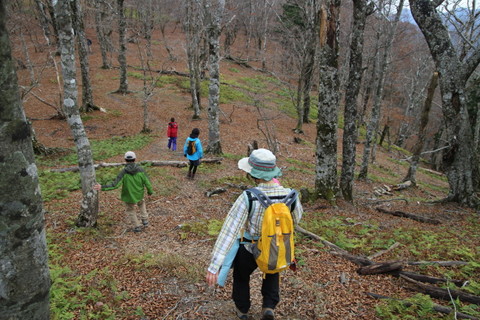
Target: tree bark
43, 21
102, 36
24, 276
215, 13
350, 131
122, 57
326, 141
372, 128
77, 19
89, 205
458, 159
417, 149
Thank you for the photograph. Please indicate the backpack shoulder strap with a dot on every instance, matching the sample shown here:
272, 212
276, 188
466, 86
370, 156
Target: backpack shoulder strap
290, 198
260, 196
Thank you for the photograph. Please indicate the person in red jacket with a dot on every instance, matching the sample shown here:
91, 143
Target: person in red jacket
172, 134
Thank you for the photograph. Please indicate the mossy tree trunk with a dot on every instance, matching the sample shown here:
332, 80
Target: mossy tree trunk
214, 13
89, 205
328, 98
24, 273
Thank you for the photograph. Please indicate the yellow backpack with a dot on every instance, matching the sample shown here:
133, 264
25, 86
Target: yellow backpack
274, 250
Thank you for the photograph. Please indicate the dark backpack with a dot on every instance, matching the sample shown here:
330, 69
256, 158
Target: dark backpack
192, 147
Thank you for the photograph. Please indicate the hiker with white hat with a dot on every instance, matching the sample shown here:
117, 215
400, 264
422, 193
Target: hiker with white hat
133, 180
244, 221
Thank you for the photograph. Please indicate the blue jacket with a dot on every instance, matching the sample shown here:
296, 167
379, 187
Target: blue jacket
198, 154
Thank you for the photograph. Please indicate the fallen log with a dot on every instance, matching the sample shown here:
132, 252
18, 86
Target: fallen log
439, 263
378, 268
409, 216
436, 307
432, 280
155, 163
441, 293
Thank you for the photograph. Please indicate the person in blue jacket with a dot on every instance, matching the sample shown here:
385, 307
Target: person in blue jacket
193, 151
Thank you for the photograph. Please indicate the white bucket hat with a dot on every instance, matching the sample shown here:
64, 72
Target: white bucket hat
261, 165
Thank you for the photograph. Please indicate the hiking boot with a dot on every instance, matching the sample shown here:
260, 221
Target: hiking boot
241, 315
268, 314
189, 175
145, 223
137, 229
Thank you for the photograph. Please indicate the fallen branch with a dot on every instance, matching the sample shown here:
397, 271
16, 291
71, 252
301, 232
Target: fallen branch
378, 254
432, 280
409, 216
441, 293
378, 268
155, 163
436, 307
362, 261
389, 200
440, 263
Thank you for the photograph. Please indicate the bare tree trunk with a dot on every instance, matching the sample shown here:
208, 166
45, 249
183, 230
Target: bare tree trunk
328, 96
417, 149
24, 276
214, 13
375, 117
360, 11
43, 21
458, 159
122, 58
77, 19
102, 37
89, 206
192, 26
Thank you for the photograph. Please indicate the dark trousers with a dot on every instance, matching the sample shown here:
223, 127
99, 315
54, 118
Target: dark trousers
243, 266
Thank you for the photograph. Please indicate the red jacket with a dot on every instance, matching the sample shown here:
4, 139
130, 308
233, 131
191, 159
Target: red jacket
172, 130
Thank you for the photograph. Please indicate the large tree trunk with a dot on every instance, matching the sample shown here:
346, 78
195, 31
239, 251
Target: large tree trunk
89, 206
375, 117
122, 54
43, 20
24, 275
328, 98
215, 13
87, 96
360, 12
458, 159
417, 149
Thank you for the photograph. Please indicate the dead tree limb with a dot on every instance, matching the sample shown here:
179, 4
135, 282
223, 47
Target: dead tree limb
379, 253
436, 307
432, 280
384, 267
441, 293
409, 216
440, 263
155, 163
215, 191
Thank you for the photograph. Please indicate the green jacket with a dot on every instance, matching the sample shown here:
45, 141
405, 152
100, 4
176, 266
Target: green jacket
134, 180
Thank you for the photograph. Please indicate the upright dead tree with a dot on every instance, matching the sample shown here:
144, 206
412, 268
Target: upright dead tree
122, 53
214, 13
89, 205
384, 60
417, 149
328, 98
361, 9
24, 275
454, 69
77, 19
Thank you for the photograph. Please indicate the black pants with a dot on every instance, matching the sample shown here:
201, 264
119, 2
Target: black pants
243, 266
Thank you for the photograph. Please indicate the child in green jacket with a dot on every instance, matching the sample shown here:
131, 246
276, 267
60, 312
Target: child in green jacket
134, 180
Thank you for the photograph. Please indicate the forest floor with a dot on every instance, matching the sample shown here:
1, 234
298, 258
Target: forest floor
159, 273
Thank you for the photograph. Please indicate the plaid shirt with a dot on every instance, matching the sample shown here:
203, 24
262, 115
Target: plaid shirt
236, 221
